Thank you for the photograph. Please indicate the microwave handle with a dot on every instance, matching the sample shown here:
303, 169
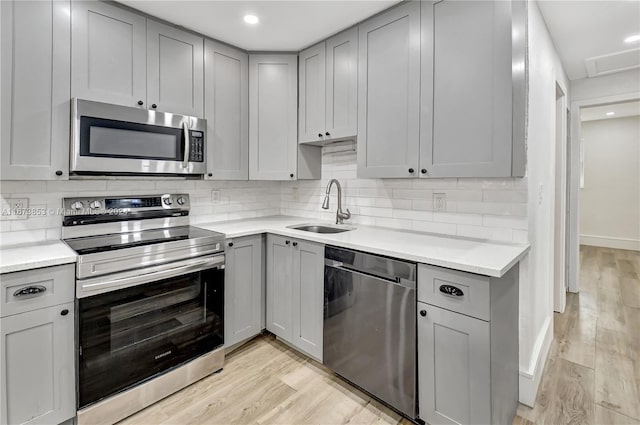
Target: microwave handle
185, 160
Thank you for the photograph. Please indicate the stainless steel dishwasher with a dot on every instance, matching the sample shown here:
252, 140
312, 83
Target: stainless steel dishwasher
370, 324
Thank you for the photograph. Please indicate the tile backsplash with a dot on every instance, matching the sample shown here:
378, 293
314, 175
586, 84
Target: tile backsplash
494, 209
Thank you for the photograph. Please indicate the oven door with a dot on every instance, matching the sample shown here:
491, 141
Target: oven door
113, 139
132, 334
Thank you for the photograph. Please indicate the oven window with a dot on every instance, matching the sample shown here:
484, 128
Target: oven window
132, 334
119, 139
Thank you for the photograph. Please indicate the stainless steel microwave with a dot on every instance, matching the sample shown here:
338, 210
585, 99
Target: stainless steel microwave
113, 139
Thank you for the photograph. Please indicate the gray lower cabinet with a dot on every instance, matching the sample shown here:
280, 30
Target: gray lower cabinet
37, 349
273, 89
467, 347
34, 107
226, 108
109, 54
467, 89
295, 292
389, 93
244, 289
175, 70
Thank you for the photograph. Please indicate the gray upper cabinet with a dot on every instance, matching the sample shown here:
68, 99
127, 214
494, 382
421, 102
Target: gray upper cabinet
175, 70
273, 146
279, 287
389, 93
311, 80
108, 58
467, 121
342, 86
244, 289
227, 112
308, 297
34, 107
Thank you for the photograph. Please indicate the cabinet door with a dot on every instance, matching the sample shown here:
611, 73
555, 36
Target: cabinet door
308, 297
272, 117
453, 367
108, 56
342, 85
227, 112
34, 106
175, 70
280, 287
468, 60
243, 304
311, 80
389, 93
37, 366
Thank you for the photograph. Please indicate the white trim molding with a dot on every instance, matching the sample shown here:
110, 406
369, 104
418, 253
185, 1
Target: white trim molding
530, 378
610, 242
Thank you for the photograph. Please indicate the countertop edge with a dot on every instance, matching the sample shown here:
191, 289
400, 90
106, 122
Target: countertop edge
38, 264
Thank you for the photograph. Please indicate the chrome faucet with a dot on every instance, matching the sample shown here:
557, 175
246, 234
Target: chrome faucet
340, 215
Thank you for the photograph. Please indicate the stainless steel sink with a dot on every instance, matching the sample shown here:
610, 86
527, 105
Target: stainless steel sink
320, 228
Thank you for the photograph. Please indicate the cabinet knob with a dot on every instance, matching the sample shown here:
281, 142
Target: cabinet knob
64, 312
423, 171
423, 313
287, 242
59, 173
291, 175
140, 103
411, 170
230, 244
295, 244
327, 134
210, 174
319, 134
154, 106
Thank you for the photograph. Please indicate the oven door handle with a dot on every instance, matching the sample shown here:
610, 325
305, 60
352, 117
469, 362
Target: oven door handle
99, 285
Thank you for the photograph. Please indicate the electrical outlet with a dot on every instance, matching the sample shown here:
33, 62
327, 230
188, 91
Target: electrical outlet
439, 201
15, 209
215, 196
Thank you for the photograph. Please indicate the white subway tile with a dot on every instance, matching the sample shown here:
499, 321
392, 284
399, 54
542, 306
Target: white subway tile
515, 196
456, 218
491, 233
413, 214
521, 223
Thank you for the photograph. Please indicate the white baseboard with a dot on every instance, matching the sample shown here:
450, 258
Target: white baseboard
610, 242
530, 378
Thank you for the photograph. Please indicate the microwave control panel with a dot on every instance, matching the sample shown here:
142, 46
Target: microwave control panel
196, 146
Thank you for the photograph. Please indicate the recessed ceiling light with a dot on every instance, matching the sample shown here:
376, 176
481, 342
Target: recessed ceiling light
610, 113
632, 38
251, 19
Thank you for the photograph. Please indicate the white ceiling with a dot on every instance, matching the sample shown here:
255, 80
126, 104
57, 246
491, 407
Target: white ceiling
583, 29
627, 109
284, 25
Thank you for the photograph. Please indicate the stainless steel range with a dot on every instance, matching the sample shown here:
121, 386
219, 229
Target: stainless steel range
150, 301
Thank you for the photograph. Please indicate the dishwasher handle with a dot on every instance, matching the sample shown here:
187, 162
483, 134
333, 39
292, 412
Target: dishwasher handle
396, 280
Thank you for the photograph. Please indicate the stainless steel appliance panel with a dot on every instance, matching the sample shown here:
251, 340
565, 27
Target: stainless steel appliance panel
369, 324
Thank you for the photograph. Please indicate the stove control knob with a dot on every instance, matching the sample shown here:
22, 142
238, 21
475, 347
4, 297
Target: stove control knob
167, 201
95, 205
181, 200
77, 205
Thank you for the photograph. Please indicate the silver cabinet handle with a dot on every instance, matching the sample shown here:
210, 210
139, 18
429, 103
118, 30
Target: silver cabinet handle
29, 292
187, 142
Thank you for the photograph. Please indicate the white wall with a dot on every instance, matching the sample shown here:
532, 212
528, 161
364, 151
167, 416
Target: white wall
238, 200
610, 199
536, 285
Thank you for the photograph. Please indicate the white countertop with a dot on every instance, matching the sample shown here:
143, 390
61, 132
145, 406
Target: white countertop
470, 255
14, 258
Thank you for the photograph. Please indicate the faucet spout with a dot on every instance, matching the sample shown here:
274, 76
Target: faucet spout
340, 215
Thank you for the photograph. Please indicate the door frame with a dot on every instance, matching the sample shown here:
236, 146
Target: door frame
573, 215
559, 269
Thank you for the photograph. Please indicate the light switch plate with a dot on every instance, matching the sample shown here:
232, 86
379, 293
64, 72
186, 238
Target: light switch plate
215, 196
439, 201
15, 208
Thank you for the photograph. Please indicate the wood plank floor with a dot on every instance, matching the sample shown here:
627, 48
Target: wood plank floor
592, 375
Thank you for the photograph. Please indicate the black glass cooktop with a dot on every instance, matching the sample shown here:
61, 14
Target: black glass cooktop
115, 241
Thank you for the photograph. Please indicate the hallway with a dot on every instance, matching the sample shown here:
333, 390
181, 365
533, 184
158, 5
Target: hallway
592, 375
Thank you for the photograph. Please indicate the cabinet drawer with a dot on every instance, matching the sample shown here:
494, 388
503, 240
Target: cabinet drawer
453, 290
34, 289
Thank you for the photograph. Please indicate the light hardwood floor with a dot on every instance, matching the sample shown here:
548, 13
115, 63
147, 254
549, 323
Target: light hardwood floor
592, 375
